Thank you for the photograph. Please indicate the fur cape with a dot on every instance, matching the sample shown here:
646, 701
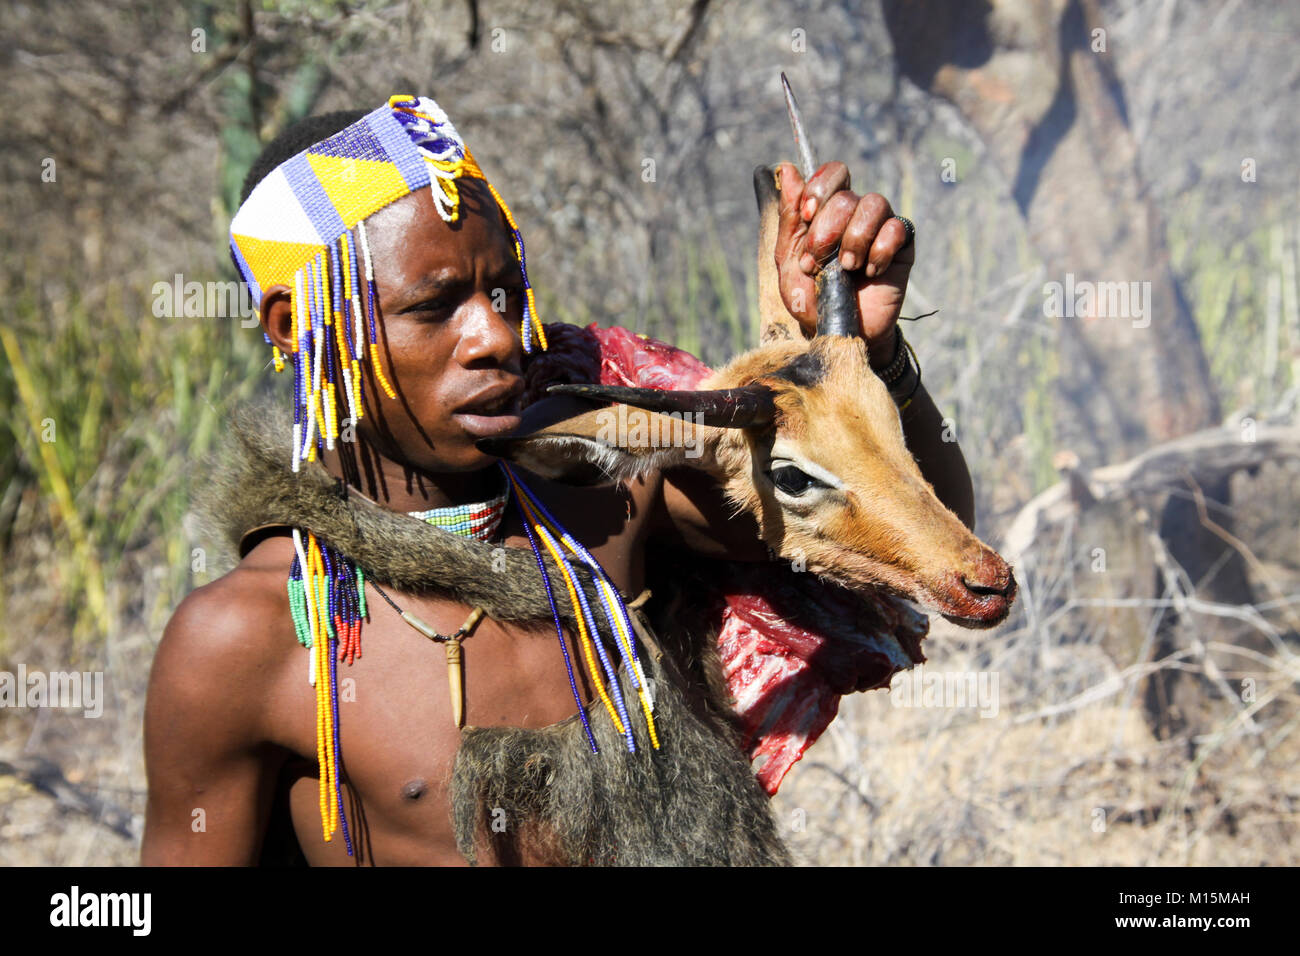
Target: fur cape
695, 801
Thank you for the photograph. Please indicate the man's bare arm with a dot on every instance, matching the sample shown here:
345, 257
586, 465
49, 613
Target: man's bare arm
941, 461
211, 771
695, 516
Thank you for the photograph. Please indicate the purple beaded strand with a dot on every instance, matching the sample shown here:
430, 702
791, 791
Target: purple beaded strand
559, 632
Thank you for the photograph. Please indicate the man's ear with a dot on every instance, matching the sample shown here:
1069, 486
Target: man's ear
277, 319
603, 444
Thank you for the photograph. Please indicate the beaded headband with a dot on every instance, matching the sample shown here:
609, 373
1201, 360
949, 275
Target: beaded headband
295, 229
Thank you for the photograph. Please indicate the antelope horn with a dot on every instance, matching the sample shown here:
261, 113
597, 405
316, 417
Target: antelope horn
749, 407
837, 306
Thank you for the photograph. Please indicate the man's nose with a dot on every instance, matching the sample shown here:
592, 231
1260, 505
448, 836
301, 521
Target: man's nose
487, 336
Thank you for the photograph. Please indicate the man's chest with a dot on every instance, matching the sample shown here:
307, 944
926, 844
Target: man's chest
397, 734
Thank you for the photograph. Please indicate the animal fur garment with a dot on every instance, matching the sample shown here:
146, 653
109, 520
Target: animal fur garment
253, 488
695, 801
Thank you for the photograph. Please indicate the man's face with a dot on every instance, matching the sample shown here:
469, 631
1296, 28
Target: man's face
450, 300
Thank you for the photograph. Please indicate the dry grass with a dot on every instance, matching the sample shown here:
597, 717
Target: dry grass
1091, 787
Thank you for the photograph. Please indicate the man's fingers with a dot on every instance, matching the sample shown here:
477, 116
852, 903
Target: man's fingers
829, 179
826, 232
889, 241
871, 213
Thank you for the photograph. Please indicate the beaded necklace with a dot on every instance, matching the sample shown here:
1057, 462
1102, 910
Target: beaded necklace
327, 601
478, 521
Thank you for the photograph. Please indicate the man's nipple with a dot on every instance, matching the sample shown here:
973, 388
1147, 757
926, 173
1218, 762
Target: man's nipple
414, 789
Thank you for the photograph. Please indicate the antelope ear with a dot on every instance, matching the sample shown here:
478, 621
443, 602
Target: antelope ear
776, 324
599, 445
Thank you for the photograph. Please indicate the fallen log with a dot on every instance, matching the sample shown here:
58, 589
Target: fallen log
1208, 456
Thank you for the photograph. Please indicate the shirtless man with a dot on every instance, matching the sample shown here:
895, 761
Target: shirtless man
230, 726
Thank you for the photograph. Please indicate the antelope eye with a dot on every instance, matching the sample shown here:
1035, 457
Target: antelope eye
791, 480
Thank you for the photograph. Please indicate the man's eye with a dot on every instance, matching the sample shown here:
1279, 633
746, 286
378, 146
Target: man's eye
437, 309
791, 480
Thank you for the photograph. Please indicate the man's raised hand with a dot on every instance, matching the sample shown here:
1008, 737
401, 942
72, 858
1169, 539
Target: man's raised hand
822, 218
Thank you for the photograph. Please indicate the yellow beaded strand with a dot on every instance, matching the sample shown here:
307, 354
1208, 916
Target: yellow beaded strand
351, 370
294, 296
318, 651
528, 291
584, 639
377, 365
316, 585
379, 371
624, 638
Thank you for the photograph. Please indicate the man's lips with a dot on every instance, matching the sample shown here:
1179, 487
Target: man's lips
492, 411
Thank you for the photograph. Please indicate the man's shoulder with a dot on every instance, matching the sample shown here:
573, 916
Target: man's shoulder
224, 656
240, 621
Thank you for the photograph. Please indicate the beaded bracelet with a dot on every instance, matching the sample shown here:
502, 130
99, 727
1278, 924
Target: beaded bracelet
898, 362
902, 376
910, 382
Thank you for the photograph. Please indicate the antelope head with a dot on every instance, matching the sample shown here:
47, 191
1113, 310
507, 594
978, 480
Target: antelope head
802, 435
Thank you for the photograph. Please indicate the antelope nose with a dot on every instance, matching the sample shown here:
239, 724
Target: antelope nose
990, 575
